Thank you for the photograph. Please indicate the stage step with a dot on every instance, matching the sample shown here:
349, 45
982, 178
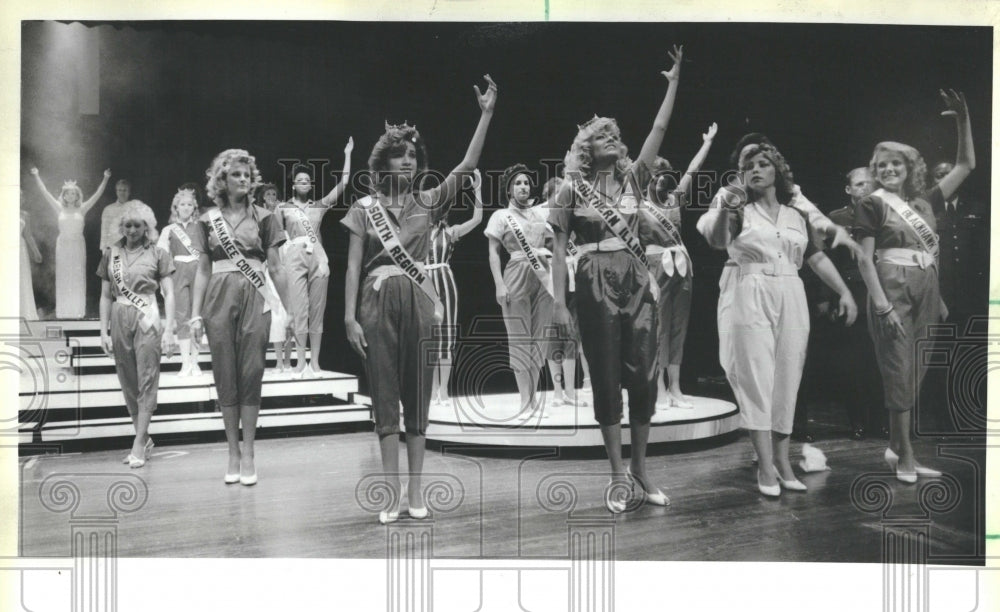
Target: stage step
99, 363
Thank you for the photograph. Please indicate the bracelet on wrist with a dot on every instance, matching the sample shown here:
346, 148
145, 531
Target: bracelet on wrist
882, 313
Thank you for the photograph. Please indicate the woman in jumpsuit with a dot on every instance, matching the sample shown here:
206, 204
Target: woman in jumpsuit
177, 240
766, 325
396, 315
133, 268
234, 314
615, 295
670, 264
525, 299
904, 297
307, 268
281, 334
443, 240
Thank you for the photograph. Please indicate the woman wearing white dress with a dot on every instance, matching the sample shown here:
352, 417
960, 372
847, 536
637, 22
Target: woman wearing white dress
71, 252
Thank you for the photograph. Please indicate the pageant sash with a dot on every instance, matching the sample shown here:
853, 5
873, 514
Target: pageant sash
387, 235
184, 239
532, 257
924, 233
674, 233
144, 304
303, 219
250, 272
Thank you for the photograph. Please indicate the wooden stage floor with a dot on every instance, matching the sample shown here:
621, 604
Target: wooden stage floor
510, 504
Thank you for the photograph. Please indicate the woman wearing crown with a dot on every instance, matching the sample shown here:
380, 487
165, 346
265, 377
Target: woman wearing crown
615, 294
391, 325
177, 240
71, 250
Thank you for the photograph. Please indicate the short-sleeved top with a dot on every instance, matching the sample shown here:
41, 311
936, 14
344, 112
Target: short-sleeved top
254, 234
873, 217
142, 272
579, 217
533, 221
651, 231
413, 225
790, 238
170, 243
293, 224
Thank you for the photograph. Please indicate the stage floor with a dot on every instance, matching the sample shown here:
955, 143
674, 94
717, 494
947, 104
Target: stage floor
314, 499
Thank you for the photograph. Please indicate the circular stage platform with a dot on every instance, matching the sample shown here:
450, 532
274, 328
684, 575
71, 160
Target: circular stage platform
498, 420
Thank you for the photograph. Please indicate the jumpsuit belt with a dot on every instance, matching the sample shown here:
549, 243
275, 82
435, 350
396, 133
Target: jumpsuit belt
769, 269
906, 257
380, 273
522, 256
671, 258
304, 241
185, 258
224, 266
606, 245
436, 266
150, 315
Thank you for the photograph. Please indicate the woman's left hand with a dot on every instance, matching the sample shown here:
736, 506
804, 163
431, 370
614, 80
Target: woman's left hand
675, 71
842, 238
847, 308
954, 103
167, 343
488, 100
107, 173
710, 134
350, 145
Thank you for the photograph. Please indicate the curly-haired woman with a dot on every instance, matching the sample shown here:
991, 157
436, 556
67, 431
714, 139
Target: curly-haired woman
615, 294
763, 315
391, 326
131, 270
897, 226
177, 240
235, 240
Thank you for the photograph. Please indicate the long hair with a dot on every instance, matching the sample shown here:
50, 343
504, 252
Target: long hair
135, 209
916, 169
393, 142
184, 194
783, 179
215, 188
580, 156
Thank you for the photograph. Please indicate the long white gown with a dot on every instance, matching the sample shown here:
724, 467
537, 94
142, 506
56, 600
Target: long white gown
28, 309
71, 264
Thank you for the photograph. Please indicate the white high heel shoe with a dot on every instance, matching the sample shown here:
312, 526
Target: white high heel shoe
792, 485
768, 490
892, 459
658, 498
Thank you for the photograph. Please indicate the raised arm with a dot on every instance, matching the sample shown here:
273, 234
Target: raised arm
715, 224
477, 211
652, 145
53, 202
97, 194
338, 190
445, 192
698, 159
965, 161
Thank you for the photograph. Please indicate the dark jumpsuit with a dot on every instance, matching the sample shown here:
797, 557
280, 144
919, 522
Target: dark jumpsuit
136, 350
397, 317
233, 309
306, 266
616, 311
186, 270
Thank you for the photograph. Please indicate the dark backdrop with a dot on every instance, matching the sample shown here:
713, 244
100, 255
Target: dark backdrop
173, 94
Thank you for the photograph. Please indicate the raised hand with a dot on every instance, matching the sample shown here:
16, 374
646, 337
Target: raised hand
954, 103
675, 71
107, 173
350, 145
477, 180
487, 100
710, 134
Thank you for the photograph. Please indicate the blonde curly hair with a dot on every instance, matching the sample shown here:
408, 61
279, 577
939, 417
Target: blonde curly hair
580, 155
135, 209
215, 188
916, 169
